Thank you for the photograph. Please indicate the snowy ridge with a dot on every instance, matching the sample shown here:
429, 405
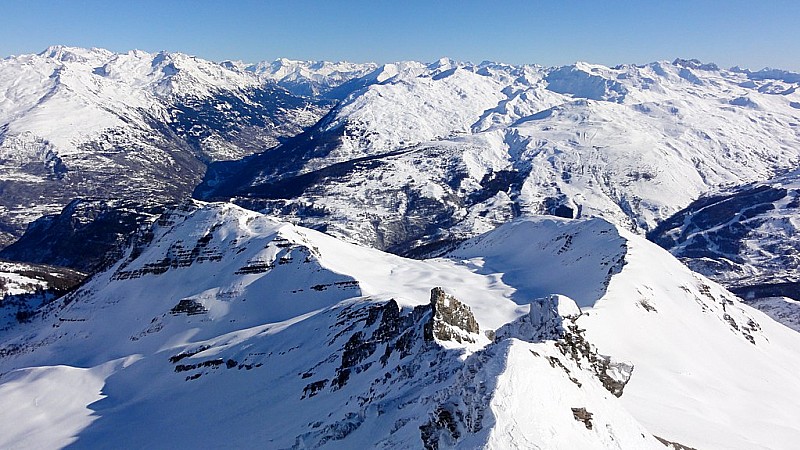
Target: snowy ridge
299, 340
311, 78
102, 88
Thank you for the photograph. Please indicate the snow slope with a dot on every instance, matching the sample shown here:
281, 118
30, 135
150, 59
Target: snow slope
230, 328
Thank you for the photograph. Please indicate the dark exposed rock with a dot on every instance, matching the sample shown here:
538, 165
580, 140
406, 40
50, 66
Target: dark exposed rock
614, 375
189, 307
185, 354
313, 388
254, 267
397, 332
441, 428
333, 432
508, 181
555, 362
673, 445
178, 255
451, 319
210, 363
581, 415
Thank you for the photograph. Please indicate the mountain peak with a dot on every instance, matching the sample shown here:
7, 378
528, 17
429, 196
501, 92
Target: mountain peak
65, 53
695, 64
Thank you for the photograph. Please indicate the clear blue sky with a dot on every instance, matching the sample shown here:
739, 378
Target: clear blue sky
729, 32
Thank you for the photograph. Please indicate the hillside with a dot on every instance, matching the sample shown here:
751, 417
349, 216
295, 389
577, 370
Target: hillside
240, 329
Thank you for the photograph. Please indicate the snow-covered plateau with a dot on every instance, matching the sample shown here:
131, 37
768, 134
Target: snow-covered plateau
404, 255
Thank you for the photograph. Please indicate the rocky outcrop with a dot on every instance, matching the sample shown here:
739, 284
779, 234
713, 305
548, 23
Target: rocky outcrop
543, 321
614, 375
554, 318
451, 320
673, 445
581, 415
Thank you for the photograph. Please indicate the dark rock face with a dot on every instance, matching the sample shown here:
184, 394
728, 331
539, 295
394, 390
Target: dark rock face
179, 254
441, 429
389, 347
451, 320
614, 375
673, 445
85, 235
398, 333
188, 307
581, 415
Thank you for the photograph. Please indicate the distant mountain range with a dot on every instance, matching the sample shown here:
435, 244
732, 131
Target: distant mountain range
297, 254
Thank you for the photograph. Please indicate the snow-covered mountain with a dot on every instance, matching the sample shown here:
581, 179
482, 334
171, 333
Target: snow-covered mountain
312, 78
434, 155
88, 122
229, 328
545, 321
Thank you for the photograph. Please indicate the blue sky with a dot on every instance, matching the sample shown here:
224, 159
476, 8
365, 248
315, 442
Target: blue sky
733, 32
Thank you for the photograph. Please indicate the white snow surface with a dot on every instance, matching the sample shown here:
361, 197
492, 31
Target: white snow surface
231, 328
67, 95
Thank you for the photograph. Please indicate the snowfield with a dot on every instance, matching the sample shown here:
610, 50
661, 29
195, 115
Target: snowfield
230, 328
